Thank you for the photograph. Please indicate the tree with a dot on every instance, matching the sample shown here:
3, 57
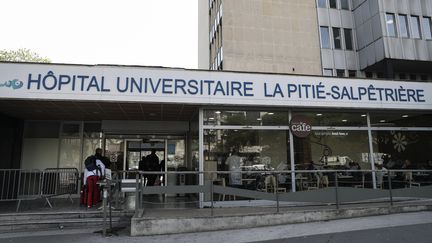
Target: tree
21, 55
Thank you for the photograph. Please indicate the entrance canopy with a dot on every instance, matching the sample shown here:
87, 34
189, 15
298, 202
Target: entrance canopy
96, 111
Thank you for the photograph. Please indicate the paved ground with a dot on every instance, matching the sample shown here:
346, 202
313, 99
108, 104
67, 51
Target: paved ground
407, 227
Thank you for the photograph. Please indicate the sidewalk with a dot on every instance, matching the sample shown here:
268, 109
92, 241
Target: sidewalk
422, 221
165, 221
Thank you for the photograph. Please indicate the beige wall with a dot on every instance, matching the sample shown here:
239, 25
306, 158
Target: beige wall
203, 35
271, 36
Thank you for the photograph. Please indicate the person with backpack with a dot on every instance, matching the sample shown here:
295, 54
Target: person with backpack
93, 171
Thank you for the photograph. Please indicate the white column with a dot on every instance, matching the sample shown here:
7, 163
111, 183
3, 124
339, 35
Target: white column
371, 157
201, 154
291, 139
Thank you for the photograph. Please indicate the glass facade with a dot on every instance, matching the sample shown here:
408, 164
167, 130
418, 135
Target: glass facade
341, 140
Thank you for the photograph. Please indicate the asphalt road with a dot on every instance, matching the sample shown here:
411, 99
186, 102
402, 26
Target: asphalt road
407, 227
413, 233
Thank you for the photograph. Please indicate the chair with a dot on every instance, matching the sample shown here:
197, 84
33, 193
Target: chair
408, 176
270, 185
314, 184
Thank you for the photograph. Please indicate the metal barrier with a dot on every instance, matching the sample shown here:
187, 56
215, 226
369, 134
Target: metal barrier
315, 187
18, 185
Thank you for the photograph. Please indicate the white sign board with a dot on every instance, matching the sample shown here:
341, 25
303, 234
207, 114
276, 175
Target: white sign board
165, 85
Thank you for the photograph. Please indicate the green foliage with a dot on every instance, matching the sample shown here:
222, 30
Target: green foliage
21, 55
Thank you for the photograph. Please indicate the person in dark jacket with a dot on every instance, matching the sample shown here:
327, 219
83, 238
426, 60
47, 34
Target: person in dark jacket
152, 160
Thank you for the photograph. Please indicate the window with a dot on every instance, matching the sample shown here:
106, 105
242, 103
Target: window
415, 27
380, 75
344, 4
352, 73
325, 37
337, 38
403, 26
423, 77
413, 77
328, 72
369, 75
322, 3
402, 76
348, 39
333, 4
340, 73
390, 22
427, 28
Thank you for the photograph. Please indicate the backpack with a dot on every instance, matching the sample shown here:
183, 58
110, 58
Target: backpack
90, 163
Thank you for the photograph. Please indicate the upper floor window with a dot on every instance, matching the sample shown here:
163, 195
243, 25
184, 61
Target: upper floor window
427, 28
340, 73
415, 27
403, 26
337, 38
348, 39
328, 72
390, 23
325, 37
322, 3
333, 4
344, 4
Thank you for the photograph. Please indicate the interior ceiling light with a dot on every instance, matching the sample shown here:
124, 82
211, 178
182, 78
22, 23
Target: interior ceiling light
364, 115
270, 113
344, 120
217, 112
382, 120
405, 116
258, 119
319, 114
211, 118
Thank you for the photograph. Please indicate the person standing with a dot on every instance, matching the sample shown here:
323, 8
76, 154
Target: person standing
234, 163
152, 160
94, 169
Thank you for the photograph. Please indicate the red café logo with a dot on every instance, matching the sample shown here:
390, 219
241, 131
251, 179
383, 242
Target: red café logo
300, 126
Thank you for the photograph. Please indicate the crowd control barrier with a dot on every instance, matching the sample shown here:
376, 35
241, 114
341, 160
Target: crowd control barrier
18, 184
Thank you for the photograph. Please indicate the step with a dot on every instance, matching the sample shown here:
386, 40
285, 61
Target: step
21, 225
61, 215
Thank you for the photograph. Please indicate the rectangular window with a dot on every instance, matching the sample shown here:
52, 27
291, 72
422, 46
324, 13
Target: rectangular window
337, 38
402, 76
403, 26
344, 4
352, 73
322, 3
391, 23
333, 4
348, 39
415, 27
423, 77
328, 72
369, 75
325, 37
427, 27
340, 73
413, 77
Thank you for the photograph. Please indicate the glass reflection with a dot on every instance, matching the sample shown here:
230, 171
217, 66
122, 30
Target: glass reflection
251, 118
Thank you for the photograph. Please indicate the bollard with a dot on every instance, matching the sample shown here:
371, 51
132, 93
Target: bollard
336, 191
104, 204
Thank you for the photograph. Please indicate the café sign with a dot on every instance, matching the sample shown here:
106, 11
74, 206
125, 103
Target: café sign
300, 126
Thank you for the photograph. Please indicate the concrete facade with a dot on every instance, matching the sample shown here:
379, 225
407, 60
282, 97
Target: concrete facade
287, 37
267, 36
377, 44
